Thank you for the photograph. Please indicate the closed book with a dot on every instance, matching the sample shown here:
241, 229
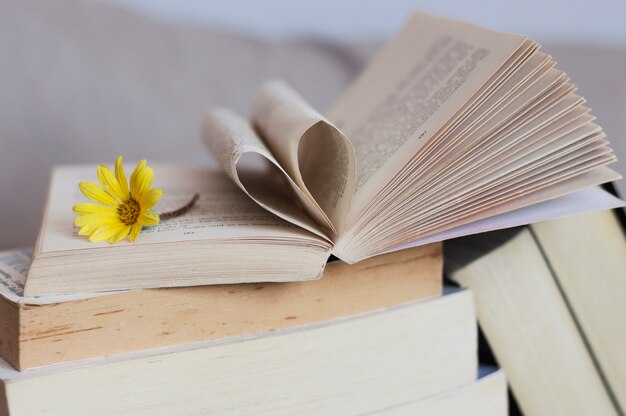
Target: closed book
47, 330
587, 255
350, 366
550, 300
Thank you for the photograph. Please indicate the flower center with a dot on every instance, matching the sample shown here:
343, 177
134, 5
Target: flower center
129, 211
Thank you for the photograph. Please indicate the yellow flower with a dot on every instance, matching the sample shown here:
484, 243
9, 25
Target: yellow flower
123, 212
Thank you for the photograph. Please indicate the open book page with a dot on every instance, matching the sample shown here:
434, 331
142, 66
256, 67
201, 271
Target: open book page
222, 212
563, 198
580, 202
232, 142
13, 270
473, 125
411, 89
499, 163
315, 154
14, 265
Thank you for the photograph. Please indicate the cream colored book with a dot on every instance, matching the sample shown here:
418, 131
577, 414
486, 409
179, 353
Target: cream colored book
587, 254
452, 129
553, 321
47, 330
486, 396
359, 365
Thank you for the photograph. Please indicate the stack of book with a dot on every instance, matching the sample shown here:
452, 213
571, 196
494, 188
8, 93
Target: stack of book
454, 130
551, 300
378, 336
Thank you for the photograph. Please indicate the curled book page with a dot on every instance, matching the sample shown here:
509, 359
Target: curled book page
315, 154
231, 140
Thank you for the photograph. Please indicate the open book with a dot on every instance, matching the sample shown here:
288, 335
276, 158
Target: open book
451, 130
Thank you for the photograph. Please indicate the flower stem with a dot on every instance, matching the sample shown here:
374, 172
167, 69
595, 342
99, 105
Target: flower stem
180, 211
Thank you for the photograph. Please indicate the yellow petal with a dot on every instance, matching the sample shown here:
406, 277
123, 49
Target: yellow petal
104, 233
94, 192
109, 183
150, 198
144, 180
135, 191
85, 208
120, 235
149, 218
91, 223
121, 175
88, 228
99, 217
134, 232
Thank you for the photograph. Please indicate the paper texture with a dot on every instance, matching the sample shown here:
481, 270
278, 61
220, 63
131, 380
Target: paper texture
315, 154
587, 200
231, 140
13, 270
14, 265
403, 98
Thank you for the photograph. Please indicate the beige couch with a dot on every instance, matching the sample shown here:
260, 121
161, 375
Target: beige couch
83, 81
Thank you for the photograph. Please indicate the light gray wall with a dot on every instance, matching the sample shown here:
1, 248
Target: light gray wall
602, 21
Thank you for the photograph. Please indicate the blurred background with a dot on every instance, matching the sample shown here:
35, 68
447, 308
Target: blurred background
84, 80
